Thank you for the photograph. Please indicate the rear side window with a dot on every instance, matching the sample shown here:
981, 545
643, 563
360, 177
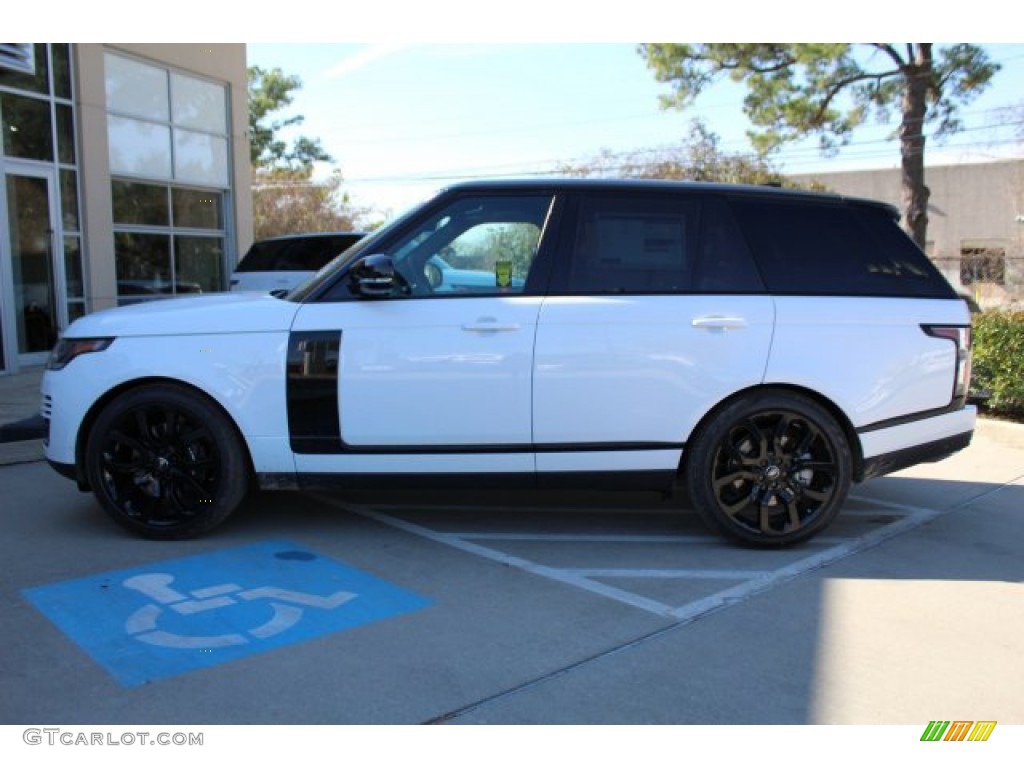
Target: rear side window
305, 254
660, 245
811, 248
633, 245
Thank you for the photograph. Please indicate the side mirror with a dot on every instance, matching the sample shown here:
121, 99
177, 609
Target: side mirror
373, 276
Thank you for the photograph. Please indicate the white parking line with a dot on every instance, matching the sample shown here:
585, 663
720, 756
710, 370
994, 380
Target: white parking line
668, 573
555, 574
616, 538
752, 582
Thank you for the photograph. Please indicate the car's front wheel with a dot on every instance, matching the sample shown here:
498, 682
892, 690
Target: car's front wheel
164, 462
771, 469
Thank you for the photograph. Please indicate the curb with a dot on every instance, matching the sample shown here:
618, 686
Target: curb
21, 452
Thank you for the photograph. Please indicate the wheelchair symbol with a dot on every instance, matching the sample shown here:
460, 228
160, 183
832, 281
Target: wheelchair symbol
288, 610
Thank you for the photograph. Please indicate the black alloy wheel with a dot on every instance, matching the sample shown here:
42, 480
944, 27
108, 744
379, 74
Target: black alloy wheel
165, 462
772, 469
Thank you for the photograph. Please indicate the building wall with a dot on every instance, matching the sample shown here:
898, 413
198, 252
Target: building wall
972, 207
141, 197
225, 63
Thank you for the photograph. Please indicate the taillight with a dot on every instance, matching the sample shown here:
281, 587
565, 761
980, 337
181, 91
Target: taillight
960, 335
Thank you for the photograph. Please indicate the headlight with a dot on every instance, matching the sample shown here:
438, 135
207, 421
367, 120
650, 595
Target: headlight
68, 349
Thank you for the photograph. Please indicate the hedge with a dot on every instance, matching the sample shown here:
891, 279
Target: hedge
999, 359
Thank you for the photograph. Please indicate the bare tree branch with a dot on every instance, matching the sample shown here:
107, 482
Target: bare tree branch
891, 53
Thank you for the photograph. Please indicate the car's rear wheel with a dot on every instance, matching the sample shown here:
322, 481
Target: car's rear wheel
771, 469
165, 462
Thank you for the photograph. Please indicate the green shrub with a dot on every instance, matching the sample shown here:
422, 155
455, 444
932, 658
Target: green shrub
999, 358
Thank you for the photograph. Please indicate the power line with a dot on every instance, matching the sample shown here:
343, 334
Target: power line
796, 154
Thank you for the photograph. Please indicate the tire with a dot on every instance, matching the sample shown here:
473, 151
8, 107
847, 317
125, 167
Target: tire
165, 462
770, 469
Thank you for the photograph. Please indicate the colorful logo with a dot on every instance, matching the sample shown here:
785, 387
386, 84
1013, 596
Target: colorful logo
958, 730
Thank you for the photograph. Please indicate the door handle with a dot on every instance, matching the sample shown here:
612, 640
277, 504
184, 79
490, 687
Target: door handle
489, 324
719, 322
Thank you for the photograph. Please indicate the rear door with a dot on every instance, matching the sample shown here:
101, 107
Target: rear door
657, 314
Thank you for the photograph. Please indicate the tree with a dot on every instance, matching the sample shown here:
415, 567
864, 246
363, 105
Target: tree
286, 199
699, 157
829, 89
286, 202
270, 90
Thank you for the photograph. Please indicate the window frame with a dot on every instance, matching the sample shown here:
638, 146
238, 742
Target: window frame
173, 127
172, 231
334, 287
172, 181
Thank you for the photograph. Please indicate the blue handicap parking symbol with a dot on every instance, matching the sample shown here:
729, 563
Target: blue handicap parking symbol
167, 618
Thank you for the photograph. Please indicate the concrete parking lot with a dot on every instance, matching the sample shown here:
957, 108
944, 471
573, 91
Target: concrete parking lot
520, 608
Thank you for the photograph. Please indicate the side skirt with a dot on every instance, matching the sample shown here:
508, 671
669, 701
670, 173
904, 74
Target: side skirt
647, 480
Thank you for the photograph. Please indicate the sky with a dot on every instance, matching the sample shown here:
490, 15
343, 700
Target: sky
420, 95
403, 119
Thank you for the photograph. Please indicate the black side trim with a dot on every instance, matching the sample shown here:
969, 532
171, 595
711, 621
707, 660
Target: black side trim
937, 450
662, 481
953, 407
313, 421
476, 449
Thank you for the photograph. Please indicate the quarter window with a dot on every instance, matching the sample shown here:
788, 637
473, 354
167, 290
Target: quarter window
805, 248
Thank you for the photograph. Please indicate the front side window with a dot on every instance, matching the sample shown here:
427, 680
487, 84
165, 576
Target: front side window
475, 246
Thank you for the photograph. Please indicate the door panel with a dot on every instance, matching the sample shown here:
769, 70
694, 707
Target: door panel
642, 370
423, 373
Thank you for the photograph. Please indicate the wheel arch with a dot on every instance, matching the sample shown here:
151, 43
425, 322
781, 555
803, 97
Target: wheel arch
85, 429
829, 405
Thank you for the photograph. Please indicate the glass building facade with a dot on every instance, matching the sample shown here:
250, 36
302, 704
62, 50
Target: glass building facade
125, 179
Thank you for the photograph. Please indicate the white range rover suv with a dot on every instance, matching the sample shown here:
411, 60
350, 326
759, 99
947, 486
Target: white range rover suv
761, 348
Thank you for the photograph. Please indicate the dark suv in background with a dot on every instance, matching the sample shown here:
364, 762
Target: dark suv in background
281, 263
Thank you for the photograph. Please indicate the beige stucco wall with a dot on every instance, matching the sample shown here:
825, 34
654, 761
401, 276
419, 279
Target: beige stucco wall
975, 203
217, 61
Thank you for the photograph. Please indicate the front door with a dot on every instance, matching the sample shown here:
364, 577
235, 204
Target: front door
434, 375
33, 313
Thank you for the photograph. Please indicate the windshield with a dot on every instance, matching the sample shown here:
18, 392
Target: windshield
329, 270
